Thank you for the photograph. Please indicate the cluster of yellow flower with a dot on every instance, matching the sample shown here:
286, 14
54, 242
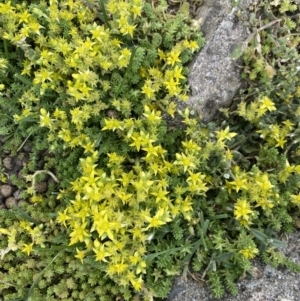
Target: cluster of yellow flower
256, 109
35, 232
70, 63
275, 134
170, 79
117, 237
256, 188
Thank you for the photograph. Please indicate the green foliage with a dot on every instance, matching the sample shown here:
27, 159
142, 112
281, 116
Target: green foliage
133, 204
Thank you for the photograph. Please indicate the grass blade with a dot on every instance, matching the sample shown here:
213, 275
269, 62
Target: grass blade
25, 215
23, 79
127, 70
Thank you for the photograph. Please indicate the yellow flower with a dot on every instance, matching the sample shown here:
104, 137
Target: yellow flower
78, 234
193, 45
35, 27
172, 86
191, 146
42, 75
58, 114
37, 199
148, 89
242, 210
155, 73
288, 124
263, 182
25, 225
264, 203
296, 199
161, 54
137, 141
267, 103
238, 183
27, 248
45, 119
143, 72
151, 150
280, 141
100, 251
136, 10
104, 227
249, 252
152, 116
186, 205
85, 90
244, 222
161, 217
3, 63
115, 158
185, 161
112, 6
160, 195
127, 29
6, 8
65, 135
80, 255
112, 124
177, 73
224, 134
173, 57
137, 234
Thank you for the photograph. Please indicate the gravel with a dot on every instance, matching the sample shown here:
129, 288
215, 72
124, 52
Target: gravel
267, 284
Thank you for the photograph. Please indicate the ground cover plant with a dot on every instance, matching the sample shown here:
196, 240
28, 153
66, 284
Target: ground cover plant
135, 202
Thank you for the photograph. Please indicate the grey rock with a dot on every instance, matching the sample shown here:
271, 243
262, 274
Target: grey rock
215, 77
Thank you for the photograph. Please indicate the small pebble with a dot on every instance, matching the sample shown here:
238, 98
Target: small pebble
27, 148
6, 190
17, 194
112, 114
294, 254
7, 163
256, 273
41, 187
18, 164
11, 202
